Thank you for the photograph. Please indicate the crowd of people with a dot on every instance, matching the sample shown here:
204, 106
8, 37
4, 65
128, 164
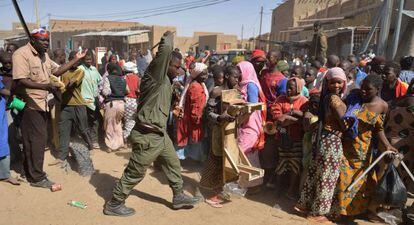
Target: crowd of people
325, 119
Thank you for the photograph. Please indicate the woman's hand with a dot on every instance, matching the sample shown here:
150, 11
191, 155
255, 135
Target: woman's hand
391, 148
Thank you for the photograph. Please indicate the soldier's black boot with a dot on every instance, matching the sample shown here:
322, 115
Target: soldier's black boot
116, 208
183, 201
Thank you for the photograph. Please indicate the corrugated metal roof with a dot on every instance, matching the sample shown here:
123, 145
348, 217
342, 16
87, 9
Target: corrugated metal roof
113, 33
16, 37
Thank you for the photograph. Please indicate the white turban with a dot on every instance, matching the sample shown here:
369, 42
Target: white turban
131, 67
198, 69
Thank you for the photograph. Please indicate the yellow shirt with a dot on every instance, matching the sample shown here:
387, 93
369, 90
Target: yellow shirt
72, 94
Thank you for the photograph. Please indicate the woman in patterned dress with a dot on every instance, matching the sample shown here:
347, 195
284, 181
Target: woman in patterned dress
318, 190
358, 152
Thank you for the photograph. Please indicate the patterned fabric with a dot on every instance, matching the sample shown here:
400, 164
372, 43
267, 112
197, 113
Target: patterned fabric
323, 174
82, 157
290, 159
357, 158
331, 102
212, 173
400, 132
131, 105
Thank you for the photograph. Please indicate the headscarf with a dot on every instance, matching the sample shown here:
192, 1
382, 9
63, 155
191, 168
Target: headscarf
194, 73
248, 75
237, 59
258, 53
39, 33
199, 68
299, 87
131, 67
282, 66
337, 73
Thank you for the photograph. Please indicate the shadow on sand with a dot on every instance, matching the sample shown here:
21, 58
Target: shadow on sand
104, 184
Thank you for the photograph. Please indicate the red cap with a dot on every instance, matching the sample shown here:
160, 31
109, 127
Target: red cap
257, 53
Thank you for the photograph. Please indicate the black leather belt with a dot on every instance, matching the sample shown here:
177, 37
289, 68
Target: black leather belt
146, 128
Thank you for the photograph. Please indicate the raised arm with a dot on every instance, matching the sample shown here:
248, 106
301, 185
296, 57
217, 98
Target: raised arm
58, 71
158, 67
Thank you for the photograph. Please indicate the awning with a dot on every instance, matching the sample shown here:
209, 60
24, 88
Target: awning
409, 13
16, 38
134, 36
113, 33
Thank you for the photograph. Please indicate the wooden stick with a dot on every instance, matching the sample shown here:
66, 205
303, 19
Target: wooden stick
21, 18
159, 42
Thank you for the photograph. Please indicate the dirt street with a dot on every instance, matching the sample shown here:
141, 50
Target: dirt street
25, 205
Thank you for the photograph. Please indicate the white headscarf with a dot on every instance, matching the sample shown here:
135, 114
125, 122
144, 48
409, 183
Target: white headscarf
198, 69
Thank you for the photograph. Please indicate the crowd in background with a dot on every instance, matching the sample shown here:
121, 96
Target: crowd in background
324, 121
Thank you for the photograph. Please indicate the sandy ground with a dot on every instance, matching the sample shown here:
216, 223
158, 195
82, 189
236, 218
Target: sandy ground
22, 205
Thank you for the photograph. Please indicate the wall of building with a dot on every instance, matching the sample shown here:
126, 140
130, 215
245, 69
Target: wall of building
157, 32
282, 19
292, 13
225, 42
183, 43
208, 42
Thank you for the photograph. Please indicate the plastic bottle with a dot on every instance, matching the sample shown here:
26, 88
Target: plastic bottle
235, 189
77, 204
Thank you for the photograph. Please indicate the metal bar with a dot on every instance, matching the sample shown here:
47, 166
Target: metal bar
368, 169
408, 170
385, 28
397, 31
375, 23
352, 40
321, 19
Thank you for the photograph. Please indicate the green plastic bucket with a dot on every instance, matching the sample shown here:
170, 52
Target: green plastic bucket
17, 104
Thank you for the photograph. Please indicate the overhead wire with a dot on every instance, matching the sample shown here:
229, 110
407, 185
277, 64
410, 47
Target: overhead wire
142, 11
174, 11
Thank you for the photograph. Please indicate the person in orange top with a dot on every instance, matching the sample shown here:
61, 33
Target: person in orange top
392, 88
288, 112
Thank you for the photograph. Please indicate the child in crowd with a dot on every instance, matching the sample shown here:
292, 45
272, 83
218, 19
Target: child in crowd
288, 112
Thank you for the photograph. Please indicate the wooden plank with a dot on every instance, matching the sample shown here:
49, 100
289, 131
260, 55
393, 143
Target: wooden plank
243, 159
252, 170
233, 164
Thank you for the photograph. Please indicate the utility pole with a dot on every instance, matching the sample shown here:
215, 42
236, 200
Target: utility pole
37, 13
261, 19
242, 31
49, 27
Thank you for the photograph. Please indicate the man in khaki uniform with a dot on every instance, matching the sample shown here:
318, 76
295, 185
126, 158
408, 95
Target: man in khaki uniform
319, 44
149, 136
32, 69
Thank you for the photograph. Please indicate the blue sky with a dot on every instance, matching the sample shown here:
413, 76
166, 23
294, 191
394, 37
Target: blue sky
226, 17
